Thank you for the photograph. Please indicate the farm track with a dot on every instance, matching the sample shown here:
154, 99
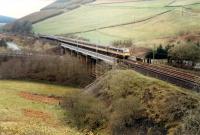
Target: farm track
179, 78
171, 3
108, 3
183, 5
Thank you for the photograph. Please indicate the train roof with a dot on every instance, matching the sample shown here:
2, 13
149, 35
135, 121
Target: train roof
86, 42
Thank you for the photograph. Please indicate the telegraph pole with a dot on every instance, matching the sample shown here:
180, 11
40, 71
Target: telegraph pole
77, 46
154, 51
182, 11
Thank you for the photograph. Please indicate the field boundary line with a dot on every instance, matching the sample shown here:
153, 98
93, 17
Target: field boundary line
123, 24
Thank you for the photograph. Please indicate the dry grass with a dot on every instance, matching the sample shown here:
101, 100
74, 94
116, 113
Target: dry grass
41, 15
21, 116
164, 103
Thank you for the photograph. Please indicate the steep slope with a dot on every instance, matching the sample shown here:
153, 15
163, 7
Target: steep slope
41, 15
164, 105
141, 21
67, 4
90, 18
54, 9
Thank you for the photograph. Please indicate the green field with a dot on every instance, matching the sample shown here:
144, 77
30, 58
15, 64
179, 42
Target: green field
40, 119
83, 19
184, 2
169, 25
32, 115
140, 21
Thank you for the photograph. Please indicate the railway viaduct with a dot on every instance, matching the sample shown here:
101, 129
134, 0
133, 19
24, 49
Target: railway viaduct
93, 57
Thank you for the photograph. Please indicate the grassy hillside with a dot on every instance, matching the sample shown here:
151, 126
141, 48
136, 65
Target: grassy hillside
141, 21
41, 15
66, 4
166, 26
54, 9
28, 108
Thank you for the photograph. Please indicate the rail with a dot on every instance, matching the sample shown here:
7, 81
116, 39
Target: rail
95, 55
179, 78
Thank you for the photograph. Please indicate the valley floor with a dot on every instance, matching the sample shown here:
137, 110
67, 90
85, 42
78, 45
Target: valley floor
33, 108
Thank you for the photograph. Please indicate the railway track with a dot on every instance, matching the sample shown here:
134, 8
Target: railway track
179, 78
176, 72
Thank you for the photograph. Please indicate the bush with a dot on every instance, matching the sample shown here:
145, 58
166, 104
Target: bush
185, 52
20, 27
3, 43
85, 111
191, 124
126, 113
159, 53
129, 84
63, 70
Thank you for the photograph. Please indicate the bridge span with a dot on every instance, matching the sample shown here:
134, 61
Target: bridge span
104, 53
94, 55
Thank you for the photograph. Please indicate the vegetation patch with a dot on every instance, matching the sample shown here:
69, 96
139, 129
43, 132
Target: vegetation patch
136, 104
19, 27
51, 68
85, 111
186, 54
19, 116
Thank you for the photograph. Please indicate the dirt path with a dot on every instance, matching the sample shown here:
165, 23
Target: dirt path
36, 114
40, 98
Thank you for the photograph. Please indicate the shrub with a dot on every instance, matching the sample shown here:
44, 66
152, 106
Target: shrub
126, 113
20, 27
129, 84
85, 111
185, 52
191, 124
52, 68
3, 43
159, 53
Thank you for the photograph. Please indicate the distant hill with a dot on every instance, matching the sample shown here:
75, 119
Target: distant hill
67, 4
41, 15
5, 19
56, 8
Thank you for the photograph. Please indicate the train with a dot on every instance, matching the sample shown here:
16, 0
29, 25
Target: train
108, 50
